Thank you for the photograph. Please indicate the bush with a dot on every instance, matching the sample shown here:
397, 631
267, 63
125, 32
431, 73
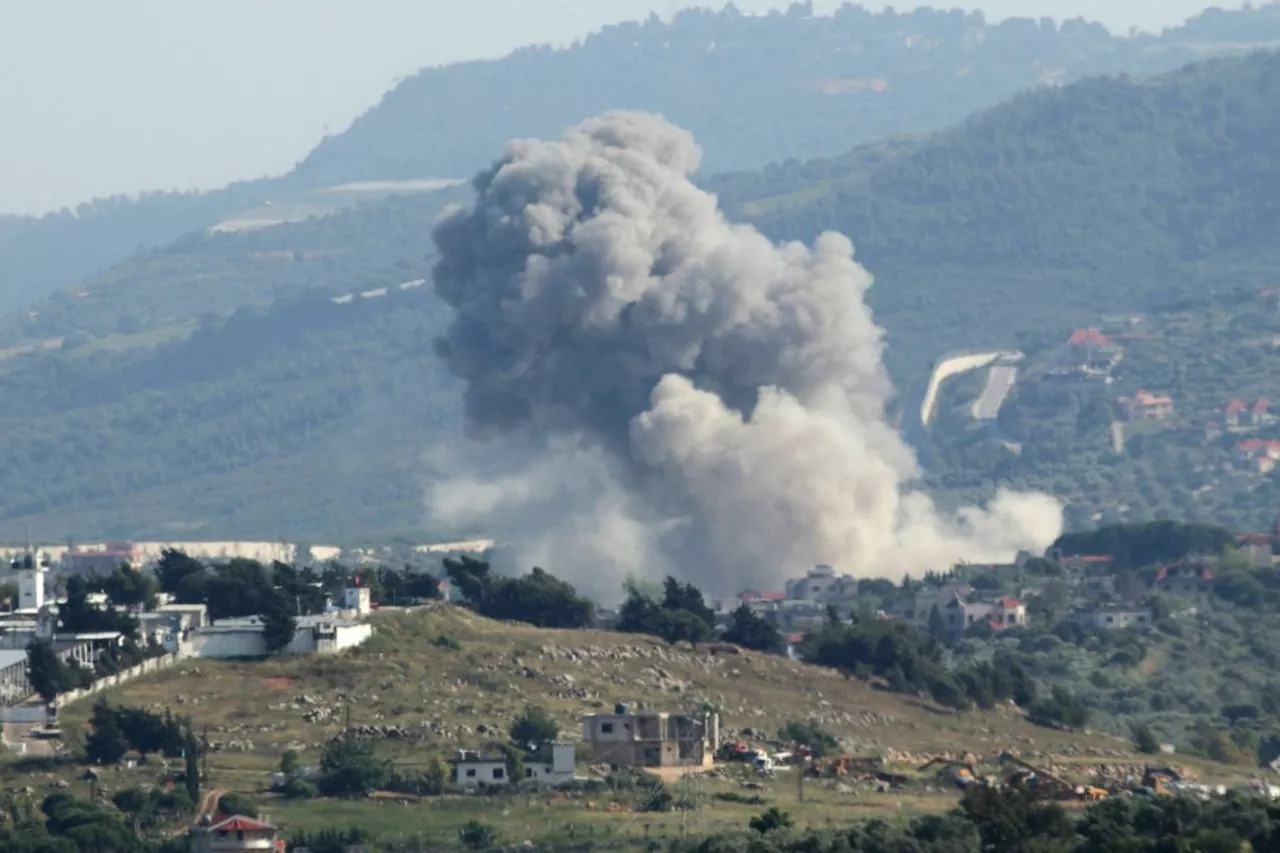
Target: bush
444, 641
234, 803
771, 820
818, 741
534, 726
1144, 740
1060, 708
475, 835
299, 789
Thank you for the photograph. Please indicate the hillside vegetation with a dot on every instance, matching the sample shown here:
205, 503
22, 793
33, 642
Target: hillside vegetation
755, 90
1008, 229
444, 698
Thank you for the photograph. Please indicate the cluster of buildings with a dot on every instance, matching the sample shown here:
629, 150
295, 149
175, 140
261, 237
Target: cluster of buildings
624, 738
184, 630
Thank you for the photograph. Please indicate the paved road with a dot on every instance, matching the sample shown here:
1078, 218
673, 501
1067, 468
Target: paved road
1000, 382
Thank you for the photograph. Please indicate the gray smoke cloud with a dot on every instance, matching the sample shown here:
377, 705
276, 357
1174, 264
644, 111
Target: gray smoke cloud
674, 393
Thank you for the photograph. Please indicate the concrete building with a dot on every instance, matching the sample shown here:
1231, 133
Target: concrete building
101, 561
552, 765
234, 834
821, 583
1115, 618
357, 598
14, 686
242, 638
626, 739
32, 569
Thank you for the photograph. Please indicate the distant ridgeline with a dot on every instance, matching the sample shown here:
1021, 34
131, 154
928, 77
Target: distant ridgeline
756, 89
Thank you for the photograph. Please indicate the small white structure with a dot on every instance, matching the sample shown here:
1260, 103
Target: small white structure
234, 834
821, 583
553, 765
1114, 618
14, 686
33, 572
242, 638
357, 598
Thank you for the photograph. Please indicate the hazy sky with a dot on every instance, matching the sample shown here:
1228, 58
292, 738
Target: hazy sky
98, 98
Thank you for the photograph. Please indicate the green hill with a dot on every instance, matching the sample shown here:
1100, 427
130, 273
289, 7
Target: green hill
755, 89
1050, 211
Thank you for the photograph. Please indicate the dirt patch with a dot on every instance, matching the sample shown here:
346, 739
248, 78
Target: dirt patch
278, 683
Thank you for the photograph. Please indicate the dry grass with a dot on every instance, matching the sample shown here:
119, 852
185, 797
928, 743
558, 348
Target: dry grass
447, 698
442, 698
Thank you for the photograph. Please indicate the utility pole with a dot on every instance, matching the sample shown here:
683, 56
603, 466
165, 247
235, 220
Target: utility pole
800, 775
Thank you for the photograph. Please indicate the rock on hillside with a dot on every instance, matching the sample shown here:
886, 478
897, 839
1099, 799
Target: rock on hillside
408, 685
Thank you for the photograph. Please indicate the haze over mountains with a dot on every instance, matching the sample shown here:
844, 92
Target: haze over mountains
754, 90
223, 384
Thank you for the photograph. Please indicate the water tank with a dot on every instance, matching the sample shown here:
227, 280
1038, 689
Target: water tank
621, 708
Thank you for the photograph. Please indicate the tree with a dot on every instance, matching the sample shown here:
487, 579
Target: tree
129, 587
48, 675
751, 631
278, 622
289, 762
350, 768
937, 627
1144, 740
181, 576
539, 598
191, 753
534, 726
678, 596
106, 744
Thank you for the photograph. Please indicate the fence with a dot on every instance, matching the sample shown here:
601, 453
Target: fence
122, 677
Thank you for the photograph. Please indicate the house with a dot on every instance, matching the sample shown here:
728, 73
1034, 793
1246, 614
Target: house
242, 638
626, 739
1146, 406
551, 764
1234, 413
1081, 564
235, 833
1091, 352
821, 583
1258, 547
1114, 618
357, 598
1007, 613
1239, 415
1192, 576
101, 561
1257, 455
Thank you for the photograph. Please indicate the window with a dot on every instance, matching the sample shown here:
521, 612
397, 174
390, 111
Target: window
528, 773
606, 728
471, 773
1110, 619
499, 772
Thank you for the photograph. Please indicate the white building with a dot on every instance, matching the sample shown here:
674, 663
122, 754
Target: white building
32, 569
357, 598
14, 687
553, 766
1115, 618
234, 834
242, 638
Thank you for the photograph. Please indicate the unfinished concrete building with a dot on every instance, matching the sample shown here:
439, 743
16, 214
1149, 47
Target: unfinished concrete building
626, 739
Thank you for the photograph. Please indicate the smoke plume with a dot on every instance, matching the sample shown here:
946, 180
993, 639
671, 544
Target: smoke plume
671, 392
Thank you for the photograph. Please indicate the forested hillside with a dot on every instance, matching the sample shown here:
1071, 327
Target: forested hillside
1050, 211
754, 90
1109, 195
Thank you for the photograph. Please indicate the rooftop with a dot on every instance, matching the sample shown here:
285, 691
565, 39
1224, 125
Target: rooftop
240, 823
11, 658
1088, 337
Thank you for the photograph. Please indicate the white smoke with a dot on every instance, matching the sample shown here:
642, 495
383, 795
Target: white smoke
681, 395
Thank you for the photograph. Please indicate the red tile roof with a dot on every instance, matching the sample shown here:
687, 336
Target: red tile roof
1261, 405
1088, 338
1010, 602
240, 823
1235, 407
1089, 558
795, 638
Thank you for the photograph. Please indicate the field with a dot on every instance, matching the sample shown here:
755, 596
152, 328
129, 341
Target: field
438, 678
